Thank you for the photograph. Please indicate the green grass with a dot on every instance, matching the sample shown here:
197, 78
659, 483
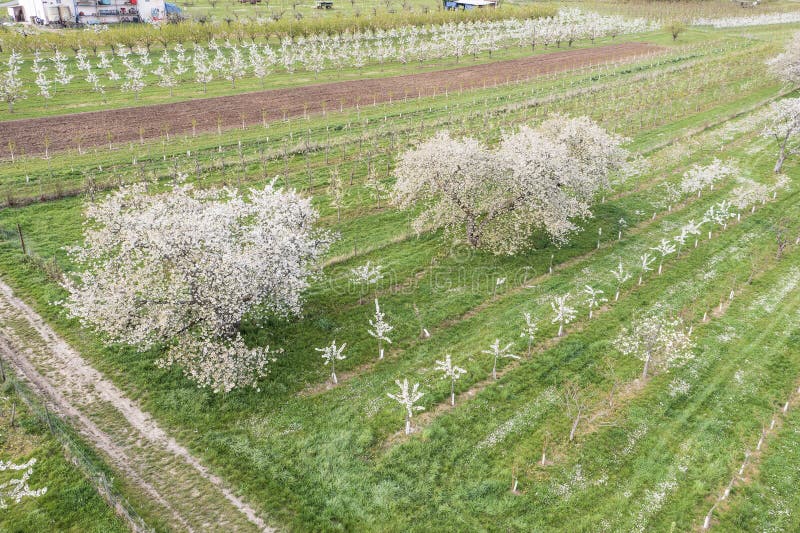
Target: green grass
71, 503
318, 458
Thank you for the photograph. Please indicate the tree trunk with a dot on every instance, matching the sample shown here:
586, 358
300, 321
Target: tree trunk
781, 159
575, 426
452, 392
646, 365
408, 425
472, 233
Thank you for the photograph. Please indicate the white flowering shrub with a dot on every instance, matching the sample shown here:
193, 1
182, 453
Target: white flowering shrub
11, 83
783, 126
331, 354
790, 17
621, 276
16, 489
529, 330
380, 328
657, 341
181, 270
539, 178
786, 65
325, 51
699, 176
451, 372
497, 352
563, 313
364, 276
407, 398
594, 298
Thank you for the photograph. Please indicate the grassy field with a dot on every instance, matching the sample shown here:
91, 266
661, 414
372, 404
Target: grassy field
315, 457
71, 503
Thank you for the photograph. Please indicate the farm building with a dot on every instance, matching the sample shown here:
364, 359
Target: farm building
85, 11
468, 4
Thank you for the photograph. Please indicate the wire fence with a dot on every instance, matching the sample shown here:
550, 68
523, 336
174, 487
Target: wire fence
77, 452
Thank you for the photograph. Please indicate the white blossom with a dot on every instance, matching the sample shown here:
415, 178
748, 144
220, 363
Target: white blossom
621, 276
365, 275
644, 265
497, 352
331, 354
665, 247
408, 398
542, 178
380, 329
783, 126
452, 372
529, 331
657, 341
11, 85
182, 269
594, 297
564, 314
16, 489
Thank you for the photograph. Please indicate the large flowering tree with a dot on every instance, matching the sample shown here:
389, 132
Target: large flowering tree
784, 127
537, 178
183, 268
786, 65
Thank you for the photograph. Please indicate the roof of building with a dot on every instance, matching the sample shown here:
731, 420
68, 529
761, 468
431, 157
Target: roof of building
473, 2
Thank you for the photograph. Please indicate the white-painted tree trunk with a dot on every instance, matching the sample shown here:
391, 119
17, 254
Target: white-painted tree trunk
574, 426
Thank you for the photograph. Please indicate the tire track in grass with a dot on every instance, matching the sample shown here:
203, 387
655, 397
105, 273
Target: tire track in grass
674, 429
753, 457
195, 498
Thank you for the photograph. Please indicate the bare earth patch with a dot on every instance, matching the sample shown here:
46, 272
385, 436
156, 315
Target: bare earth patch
227, 112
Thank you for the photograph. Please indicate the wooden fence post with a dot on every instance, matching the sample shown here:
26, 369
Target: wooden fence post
21, 239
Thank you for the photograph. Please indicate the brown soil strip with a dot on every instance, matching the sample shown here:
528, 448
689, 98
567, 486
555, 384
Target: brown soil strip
227, 112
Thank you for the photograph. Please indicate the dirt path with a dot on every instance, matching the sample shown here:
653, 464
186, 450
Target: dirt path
193, 499
226, 112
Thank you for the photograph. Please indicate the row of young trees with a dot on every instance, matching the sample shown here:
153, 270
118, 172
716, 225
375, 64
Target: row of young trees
99, 37
131, 69
790, 17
